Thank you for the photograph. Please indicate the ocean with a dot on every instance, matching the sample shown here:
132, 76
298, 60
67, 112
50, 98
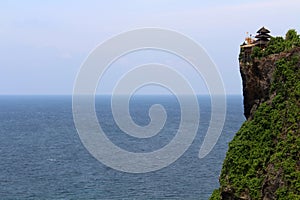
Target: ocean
42, 157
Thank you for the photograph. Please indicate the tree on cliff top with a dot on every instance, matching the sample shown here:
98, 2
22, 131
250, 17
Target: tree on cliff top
292, 39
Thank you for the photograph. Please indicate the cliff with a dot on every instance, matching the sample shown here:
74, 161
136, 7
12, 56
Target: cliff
263, 159
257, 77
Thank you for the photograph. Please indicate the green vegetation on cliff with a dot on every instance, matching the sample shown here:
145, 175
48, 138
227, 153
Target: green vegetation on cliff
263, 159
278, 45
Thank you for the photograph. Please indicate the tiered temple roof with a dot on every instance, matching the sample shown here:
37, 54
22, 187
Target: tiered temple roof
263, 37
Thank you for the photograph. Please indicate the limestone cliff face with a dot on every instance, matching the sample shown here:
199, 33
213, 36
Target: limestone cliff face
257, 77
263, 159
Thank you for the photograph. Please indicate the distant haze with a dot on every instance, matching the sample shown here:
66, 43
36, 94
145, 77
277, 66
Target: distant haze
44, 43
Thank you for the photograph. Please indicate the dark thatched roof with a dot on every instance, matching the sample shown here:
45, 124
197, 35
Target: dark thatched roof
244, 43
263, 30
264, 35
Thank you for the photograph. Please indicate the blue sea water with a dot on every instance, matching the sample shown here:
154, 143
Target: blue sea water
42, 157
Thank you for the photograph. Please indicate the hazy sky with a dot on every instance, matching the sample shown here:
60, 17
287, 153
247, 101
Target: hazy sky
43, 43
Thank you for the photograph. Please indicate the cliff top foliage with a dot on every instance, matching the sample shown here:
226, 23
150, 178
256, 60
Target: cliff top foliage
263, 159
278, 45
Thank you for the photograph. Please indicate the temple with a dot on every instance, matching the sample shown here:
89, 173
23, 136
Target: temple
263, 37
261, 40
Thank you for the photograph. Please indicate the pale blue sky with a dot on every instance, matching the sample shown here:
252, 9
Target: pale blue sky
43, 43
